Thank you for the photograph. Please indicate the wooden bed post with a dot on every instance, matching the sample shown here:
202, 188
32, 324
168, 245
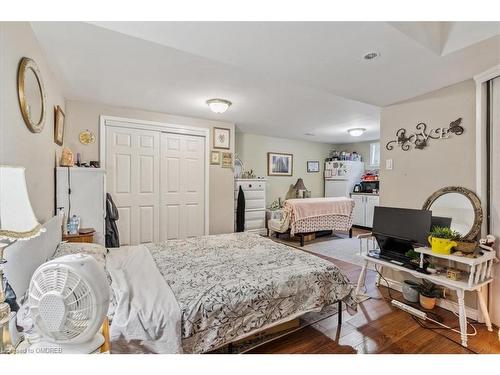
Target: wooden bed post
350, 232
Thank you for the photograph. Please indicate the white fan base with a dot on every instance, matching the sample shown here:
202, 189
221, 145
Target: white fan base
88, 347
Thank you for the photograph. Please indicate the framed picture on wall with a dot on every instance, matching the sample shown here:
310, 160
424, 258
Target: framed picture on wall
222, 138
215, 158
58, 125
313, 166
227, 160
279, 164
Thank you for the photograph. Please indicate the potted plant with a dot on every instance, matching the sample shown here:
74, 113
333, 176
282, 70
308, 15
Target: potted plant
411, 291
443, 239
413, 256
465, 246
428, 294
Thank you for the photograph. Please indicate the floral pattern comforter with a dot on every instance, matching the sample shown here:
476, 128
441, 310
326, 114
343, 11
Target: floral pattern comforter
229, 286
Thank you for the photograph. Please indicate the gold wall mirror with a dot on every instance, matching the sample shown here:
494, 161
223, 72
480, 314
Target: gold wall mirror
462, 206
31, 95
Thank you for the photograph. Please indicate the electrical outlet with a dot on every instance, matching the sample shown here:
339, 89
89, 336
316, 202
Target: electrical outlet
388, 164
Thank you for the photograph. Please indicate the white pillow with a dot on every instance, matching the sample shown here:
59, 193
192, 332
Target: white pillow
98, 252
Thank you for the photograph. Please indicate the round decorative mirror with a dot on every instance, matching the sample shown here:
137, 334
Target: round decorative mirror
31, 94
462, 206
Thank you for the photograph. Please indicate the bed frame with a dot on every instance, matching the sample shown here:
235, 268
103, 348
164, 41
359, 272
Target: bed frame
283, 327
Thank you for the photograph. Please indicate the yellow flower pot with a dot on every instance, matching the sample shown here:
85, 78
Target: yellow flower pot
441, 245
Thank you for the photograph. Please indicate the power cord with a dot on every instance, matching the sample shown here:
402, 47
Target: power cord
440, 326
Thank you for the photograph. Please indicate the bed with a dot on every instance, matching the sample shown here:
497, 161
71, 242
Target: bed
199, 294
226, 287
303, 217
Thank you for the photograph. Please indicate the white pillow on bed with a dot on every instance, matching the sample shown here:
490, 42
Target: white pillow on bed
98, 252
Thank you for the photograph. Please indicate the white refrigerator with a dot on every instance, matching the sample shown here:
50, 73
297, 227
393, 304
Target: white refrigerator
341, 176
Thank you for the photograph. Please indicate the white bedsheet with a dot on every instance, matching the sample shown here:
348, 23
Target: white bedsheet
146, 309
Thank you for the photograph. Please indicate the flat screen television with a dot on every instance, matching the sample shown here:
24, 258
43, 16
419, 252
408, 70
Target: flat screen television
403, 225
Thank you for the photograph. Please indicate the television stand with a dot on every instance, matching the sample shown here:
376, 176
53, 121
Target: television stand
480, 275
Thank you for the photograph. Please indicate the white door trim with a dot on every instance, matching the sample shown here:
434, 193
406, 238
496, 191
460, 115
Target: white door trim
123, 122
480, 80
481, 156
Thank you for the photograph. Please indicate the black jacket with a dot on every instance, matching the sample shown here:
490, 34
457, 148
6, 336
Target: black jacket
112, 236
240, 212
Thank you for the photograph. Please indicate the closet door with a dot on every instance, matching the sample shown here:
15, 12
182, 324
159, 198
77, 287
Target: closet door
182, 184
495, 195
132, 170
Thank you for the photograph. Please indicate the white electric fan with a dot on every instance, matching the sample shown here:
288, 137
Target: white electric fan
68, 299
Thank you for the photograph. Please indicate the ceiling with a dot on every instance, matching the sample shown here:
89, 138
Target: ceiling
284, 78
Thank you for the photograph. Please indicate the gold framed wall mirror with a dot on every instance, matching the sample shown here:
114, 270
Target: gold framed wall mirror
31, 92
462, 205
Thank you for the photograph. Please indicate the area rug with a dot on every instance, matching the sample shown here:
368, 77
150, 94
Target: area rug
344, 249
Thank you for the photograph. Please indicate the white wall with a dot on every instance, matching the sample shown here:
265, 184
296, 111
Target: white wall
448, 162
82, 115
252, 149
418, 173
18, 146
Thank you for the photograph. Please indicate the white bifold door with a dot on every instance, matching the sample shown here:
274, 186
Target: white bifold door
157, 181
182, 186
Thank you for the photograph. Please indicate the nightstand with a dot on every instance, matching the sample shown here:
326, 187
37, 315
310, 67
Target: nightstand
87, 236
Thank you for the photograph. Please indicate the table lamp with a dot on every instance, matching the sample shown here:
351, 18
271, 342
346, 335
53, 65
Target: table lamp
17, 222
300, 187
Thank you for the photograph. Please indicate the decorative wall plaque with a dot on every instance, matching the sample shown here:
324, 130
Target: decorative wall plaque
420, 138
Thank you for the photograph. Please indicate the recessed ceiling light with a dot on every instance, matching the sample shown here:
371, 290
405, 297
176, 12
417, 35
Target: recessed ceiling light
371, 55
356, 132
218, 105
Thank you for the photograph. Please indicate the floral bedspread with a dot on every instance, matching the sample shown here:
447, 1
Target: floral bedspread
228, 286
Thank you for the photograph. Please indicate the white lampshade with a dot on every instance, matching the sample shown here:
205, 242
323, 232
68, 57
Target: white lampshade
218, 105
17, 219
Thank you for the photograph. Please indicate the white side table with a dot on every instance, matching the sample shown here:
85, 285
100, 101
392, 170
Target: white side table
480, 275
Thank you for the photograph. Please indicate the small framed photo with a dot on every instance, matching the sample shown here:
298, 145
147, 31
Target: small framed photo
58, 125
227, 160
279, 164
215, 158
313, 166
222, 138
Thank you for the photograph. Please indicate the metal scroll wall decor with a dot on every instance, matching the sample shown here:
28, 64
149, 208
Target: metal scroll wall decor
420, 138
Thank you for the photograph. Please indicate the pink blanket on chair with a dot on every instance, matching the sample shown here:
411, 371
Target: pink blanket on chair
313, 207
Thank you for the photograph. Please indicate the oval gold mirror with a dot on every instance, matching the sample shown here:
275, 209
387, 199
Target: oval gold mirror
462, 206
31, 94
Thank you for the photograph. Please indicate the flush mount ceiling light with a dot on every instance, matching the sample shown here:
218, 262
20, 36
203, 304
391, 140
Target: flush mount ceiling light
371, 55
218, 105
356, 132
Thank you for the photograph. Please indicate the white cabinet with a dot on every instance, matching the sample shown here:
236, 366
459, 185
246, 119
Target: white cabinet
364, 206
358, 214
370, 203
87, 198
255, 203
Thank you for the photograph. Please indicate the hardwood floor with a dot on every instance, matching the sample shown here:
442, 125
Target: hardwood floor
378, 327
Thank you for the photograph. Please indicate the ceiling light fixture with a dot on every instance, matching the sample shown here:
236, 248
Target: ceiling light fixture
218, 105
356, 132
371, 55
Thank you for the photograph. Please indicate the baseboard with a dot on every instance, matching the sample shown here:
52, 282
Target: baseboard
472, 313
